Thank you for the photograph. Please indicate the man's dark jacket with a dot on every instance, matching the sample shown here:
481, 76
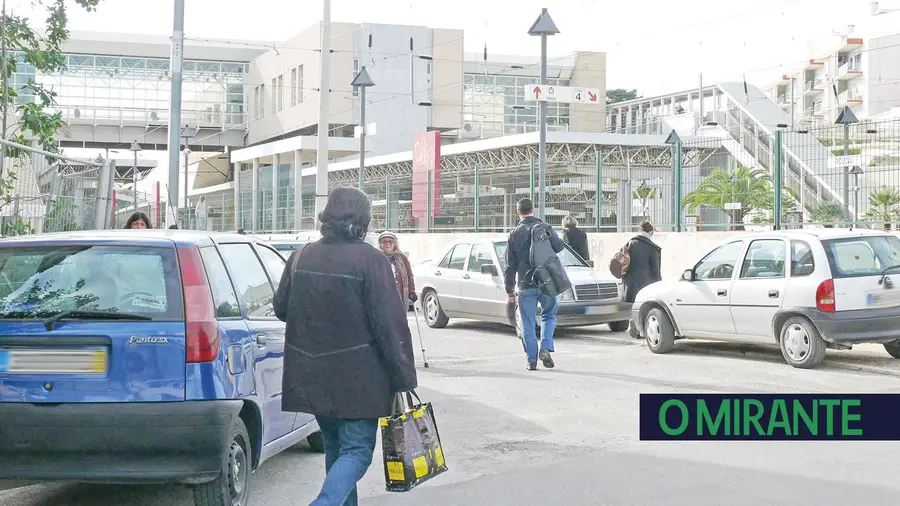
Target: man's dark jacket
348, 346
518, 252
644, 268
578, 240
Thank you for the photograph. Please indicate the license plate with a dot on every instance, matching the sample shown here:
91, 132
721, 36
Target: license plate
885, 298
45, 361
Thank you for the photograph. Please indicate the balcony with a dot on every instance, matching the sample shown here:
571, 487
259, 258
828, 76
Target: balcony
850, 97
849, 70
783, 101
849, 44
815, 64
814, 87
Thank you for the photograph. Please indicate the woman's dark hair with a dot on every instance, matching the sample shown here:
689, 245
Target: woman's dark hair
346, 216
138, 216
646, 226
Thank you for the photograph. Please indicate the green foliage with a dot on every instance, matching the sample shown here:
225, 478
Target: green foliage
751, 187
884, 205
827, 213
616, 95
851, 151
19, 227
61, 216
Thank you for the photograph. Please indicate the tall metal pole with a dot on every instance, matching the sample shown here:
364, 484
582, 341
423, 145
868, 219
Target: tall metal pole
187, 153
134, 182
362, 137
846, 192
779, 179
324, 97
175, 67
5, 92
542, 142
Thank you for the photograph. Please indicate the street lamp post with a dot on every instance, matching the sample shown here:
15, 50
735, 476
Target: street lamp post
135, 148
362, 81
846, 118
856, 171
542, 27
187, 133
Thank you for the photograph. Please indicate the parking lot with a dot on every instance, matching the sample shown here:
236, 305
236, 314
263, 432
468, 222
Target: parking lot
570, 435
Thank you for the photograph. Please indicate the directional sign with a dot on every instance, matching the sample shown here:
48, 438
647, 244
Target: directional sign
732, 205
549, 93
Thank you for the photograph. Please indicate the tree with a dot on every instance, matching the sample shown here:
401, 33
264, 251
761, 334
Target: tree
884, 206
827, 213
620, 95
752, 188
32, 100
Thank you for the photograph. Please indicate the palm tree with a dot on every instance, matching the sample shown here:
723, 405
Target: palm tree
752, 188
883, 206
827, 213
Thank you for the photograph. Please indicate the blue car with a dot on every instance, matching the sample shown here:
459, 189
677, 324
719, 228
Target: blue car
143, 357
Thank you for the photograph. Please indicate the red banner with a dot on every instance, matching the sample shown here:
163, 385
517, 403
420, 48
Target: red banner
426, 158
154, 206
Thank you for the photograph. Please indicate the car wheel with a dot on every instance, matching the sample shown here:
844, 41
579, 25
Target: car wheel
801, 344
659, 331
434, 315
618, 326
316, 443
232, 486
893, 348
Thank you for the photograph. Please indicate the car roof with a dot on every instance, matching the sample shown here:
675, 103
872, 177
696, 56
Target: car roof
811, 234
143, 237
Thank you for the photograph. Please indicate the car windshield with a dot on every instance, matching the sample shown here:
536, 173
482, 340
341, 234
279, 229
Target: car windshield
40, 281
853, 257
568, 258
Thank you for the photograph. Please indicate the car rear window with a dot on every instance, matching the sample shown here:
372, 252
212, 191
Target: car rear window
566, 256
40, 281
854, 257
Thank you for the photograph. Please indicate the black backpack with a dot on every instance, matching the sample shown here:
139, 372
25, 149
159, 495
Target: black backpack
547, 272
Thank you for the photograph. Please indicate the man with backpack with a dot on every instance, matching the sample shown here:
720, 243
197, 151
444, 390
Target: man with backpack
533, 267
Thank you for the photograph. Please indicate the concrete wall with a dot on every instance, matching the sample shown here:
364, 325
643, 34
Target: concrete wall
590, 72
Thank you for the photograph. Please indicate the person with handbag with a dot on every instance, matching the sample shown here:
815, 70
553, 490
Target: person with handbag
348, 346
520, 273
643, 267
406, 284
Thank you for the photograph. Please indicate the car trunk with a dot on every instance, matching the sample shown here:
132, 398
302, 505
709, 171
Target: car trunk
92, 361
865, 271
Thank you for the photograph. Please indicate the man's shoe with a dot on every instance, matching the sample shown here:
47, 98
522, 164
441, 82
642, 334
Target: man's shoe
546, 359
532, 366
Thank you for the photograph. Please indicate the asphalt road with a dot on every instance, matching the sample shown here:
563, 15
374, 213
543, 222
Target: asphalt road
514, 437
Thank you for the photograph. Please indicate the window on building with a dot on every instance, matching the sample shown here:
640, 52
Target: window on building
256, 111
300, 83
355, 70
274, 94
293, 87
262, 101
280, 92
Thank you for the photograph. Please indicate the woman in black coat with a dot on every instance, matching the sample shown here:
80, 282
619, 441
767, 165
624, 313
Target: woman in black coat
575, 237
645, 265
349, 348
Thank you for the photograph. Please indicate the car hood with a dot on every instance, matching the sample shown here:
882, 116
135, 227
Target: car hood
586, 275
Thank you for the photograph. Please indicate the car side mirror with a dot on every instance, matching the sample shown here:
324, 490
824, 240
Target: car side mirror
590, 263
688, 275
489, 269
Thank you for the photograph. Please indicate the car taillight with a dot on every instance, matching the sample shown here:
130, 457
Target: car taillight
202, 330
825, 295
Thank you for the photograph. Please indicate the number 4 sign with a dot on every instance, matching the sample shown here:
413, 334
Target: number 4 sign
578, 95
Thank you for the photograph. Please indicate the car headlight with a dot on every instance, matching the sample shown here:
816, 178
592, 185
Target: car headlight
567, 295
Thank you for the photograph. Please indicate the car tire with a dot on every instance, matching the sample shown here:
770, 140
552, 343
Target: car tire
801, 344
659, 331
893, 348
618, 326
232, 486
434, 314
316, 443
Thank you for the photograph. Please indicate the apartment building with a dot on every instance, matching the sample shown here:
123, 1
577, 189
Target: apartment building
856, 67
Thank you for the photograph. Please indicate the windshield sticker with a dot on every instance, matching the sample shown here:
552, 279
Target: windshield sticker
149, 302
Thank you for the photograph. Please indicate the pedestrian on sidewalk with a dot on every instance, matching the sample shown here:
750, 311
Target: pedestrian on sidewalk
518, 275
575, 237
644, 267
201, 213
406, 284
348, 346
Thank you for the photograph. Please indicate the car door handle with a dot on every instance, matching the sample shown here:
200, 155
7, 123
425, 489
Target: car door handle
467, 277
261, 340
722, 293
773, 294
437, 273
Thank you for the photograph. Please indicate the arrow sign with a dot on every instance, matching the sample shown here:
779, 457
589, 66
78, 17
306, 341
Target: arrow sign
537, 92
592, 96
565, 94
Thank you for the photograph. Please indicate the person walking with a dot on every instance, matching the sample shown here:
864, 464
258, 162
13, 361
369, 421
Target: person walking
201, 212
575, 237
517, 275
348, 345
644, 267
406, 284
138, 221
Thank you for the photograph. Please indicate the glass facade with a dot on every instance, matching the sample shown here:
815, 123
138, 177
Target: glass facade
125, 89
494, 105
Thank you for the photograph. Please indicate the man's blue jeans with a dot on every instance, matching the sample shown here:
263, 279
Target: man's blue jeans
529, 298
349, 445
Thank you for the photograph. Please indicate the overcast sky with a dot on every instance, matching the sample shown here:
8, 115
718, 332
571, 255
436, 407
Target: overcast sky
655, 46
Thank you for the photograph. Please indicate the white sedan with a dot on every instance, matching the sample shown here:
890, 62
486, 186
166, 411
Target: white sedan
803, 290
466, 281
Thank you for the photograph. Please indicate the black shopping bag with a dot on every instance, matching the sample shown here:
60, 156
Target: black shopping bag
411, 445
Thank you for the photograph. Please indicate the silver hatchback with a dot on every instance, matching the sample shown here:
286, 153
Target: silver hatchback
466, 281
